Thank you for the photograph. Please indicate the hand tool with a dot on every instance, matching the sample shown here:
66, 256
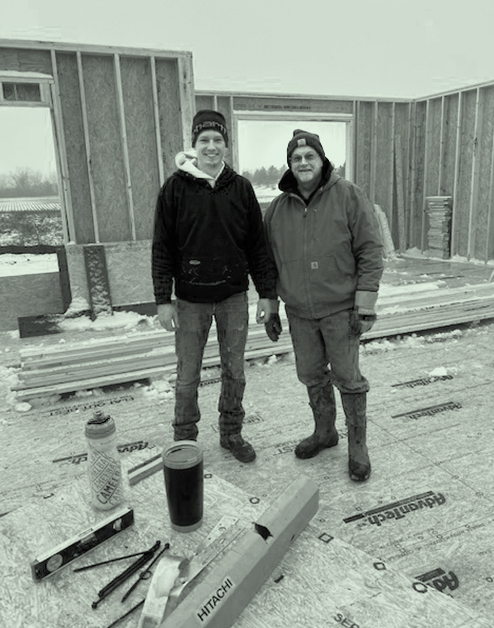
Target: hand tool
129, 612
60, 556
120, 579
107, 562
144, 575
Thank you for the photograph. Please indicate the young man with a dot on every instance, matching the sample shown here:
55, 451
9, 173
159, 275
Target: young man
325, 241
208, 236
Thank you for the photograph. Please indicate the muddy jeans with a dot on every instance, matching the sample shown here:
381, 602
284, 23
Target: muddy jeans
195, 319
318, 343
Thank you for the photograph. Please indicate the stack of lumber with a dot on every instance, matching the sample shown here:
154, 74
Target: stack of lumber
439, 210
112, 361
146, 355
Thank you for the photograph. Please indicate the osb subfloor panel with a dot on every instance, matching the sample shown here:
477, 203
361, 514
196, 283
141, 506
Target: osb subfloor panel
425, 517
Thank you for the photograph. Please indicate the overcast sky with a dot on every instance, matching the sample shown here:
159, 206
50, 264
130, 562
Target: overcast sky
387, 48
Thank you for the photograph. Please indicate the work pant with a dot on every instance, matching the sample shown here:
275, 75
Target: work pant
327, 342
195, 319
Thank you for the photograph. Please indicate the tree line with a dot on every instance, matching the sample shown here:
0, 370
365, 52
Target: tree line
272, 175
25, 182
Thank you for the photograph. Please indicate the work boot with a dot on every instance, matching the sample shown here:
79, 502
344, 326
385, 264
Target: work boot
323, 404
240, 448
354, 406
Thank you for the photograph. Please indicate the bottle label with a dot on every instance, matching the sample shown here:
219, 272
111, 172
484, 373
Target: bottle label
106, 478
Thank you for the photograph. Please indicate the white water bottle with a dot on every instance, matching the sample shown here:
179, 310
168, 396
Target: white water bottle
105, 472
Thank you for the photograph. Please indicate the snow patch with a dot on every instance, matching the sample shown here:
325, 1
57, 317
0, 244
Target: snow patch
125, 320
14, 264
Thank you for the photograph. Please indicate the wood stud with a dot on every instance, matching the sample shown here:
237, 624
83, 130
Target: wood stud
66, 204
85, 124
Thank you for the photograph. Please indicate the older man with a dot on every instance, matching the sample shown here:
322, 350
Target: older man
325, 241
208, 237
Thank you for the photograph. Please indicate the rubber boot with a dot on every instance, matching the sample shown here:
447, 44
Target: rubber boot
354, 406
323, 405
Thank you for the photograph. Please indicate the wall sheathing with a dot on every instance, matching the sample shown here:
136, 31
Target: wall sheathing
29, 60
405, 151
141, 140
449, 135
461, 214
363, 145
482, 179
463, 169
76, 149
123, 116
400, 191
170, 123
107, 166
383, 159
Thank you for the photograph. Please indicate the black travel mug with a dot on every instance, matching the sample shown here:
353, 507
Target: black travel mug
184, 483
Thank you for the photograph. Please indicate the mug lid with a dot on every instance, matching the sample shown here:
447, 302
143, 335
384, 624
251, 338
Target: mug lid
182, 455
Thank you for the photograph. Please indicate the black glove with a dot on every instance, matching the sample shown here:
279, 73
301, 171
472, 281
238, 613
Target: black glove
273, 327
360, 323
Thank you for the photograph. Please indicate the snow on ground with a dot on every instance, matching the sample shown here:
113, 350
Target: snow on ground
266, 193
27, 264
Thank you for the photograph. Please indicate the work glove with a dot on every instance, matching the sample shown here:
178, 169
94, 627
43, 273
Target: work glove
361, 323
364, 315
273, 327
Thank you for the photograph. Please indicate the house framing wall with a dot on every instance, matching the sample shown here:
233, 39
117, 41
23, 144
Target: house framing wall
401, 152
120, 115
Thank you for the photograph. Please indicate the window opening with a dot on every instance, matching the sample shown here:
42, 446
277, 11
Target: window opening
262, 150
30, 206
27, 92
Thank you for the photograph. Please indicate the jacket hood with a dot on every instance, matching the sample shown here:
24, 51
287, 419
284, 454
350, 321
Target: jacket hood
288, 182
186, 162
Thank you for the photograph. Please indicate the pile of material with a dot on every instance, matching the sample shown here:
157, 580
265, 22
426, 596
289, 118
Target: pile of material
146, 355
439, 212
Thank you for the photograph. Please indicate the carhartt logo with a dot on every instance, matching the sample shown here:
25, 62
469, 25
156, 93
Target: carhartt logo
301, 142
314, 265
212, 603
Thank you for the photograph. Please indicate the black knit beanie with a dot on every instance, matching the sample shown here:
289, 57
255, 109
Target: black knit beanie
304, 138
208, 119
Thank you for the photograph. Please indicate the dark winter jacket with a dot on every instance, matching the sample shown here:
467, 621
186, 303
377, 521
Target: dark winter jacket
326, 250
207, 240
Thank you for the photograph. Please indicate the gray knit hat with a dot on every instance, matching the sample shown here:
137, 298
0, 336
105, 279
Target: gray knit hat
304, 138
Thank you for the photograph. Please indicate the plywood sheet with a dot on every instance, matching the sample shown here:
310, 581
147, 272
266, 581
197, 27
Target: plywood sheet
28, 295
434, 126
167, 79
418, 174
321, 579
482, 207
204, 101
384, 167
129, 272
363, 138
107, 165
19, 60
449, 131
75, 147
141, 141
461, 215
